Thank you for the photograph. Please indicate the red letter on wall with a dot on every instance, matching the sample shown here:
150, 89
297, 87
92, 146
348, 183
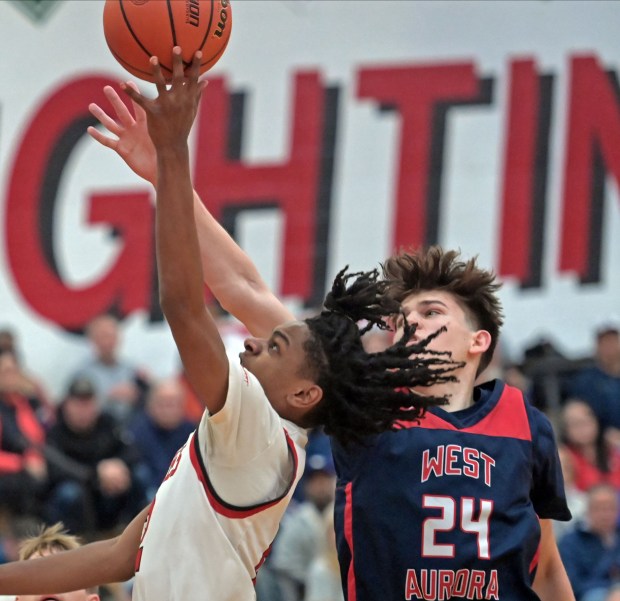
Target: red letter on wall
525, 174
416, 93
226, 184
33, 186
592, 149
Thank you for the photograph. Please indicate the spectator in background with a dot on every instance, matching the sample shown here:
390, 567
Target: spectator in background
575, 498
120, 386
160, 430
22, 382
599, 384
593, 458
303, 531
323, 582
106, 492
23, 470
49, 541
591, 553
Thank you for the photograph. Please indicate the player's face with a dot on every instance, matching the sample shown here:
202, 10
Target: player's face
430, 310
278, 361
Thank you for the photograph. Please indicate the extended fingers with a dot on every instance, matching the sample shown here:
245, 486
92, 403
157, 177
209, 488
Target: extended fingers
103, 118
158, 76
133, 94
104, 140
193, 71
122, 112
140, 115
178, 68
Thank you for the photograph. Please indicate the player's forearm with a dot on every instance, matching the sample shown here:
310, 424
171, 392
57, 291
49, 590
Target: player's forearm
553, 586
94, 564
233, 278
178, 253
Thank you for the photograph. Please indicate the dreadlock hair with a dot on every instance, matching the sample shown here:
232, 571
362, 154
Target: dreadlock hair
475, 289
367, 393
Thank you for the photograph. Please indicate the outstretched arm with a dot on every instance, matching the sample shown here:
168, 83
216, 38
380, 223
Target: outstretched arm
229, 273
91, 565
170, 117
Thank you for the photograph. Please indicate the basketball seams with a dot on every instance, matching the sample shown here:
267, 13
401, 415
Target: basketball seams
173, 30
208, 31
214, 58
133, 34
147, 75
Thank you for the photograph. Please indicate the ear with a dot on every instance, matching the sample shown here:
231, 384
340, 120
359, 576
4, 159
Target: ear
480, 342
307, 397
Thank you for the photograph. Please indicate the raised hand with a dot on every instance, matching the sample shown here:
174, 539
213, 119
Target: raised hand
132, 142
171, 115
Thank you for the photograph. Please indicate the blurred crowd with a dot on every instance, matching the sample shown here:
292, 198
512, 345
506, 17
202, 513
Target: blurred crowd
94, 457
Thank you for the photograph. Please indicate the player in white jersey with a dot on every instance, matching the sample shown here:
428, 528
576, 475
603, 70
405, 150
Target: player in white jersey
217, 511
241, 445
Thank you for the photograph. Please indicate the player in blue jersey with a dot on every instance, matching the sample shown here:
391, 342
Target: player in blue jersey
456, 506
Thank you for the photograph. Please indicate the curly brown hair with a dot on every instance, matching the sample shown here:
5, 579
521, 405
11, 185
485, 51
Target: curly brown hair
434, 268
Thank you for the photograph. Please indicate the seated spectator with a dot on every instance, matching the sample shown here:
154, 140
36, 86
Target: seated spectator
23, 470
575, 498
302, 533
13, 379
120, 386
107, 492
160, 430
591, 552
323, 582
599, 384
593, 458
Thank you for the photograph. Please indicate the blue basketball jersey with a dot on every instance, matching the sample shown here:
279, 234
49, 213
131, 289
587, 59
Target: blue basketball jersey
448, 507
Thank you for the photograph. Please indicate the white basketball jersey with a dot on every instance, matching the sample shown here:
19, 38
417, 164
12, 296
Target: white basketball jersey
195, 544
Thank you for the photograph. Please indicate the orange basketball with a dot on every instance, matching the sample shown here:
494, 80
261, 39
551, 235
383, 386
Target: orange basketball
135, 30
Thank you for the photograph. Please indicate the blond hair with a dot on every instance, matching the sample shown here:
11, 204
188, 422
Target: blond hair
50, 540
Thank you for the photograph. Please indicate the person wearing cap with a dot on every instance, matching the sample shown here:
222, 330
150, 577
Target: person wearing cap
120, 385
599, 384
107, 491
303, 531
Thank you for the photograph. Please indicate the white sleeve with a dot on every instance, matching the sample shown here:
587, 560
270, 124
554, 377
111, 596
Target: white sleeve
244, 446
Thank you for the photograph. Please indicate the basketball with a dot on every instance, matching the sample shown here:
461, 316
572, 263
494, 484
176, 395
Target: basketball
136, 30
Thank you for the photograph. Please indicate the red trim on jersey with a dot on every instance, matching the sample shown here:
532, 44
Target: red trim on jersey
219, 505
507, 419
261, 562
534, 562
348, 535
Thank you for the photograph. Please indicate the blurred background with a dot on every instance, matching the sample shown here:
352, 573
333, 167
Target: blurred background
332, 133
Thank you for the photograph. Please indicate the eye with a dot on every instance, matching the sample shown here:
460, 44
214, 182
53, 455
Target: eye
432, 312
272, 345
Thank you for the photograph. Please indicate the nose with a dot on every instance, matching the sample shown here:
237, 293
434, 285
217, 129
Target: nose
253, 345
